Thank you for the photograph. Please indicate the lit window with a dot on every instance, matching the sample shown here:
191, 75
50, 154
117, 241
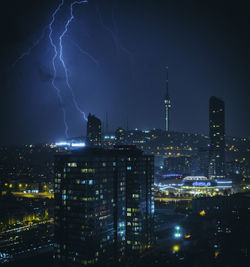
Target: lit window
72, 164
88, 170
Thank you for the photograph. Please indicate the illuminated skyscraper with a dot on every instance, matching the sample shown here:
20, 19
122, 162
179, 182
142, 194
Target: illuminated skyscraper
94, 131
167, 103
217, 138
104, 205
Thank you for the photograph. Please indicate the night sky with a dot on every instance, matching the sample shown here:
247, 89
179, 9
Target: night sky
116, 53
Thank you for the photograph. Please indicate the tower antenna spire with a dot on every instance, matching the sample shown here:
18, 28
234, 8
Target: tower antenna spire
167, 96
107, 123
167, 103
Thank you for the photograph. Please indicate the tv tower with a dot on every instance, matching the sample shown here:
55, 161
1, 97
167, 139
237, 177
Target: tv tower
167, 103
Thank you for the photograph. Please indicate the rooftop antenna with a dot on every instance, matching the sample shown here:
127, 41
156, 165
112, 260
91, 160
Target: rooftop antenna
107, 124
167, 96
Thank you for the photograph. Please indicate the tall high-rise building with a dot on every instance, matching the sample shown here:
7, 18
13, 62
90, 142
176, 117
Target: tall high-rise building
167, 103
94, 131
217, 138
104, 205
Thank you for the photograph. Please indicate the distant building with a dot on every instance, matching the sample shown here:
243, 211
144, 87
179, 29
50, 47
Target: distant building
94, 131
108, 140
167, 103
164, 144
178, 165
203, 161
217, 138
104, 205
120, 136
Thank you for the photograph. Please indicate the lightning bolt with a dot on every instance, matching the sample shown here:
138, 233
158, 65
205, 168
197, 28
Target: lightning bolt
58, 52
54, 67
116, 32
94, 60
62, 59
113, 33
28, 51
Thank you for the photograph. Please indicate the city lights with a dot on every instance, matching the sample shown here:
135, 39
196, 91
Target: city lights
164, 178
203, 213
62, 144
78, 144
176, 248
177, 234
70, 144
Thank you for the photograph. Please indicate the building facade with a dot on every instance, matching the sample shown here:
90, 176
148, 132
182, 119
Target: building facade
104, 206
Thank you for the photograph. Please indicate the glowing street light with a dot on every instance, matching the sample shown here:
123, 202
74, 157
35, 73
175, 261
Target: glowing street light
177, 234
176, 248
203, 213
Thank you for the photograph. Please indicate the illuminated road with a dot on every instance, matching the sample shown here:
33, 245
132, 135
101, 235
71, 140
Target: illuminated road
167, 199
32, 195
51, 195
27, 227
26, 240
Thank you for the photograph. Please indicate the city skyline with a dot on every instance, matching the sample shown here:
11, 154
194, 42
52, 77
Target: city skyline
125, 135
124, 72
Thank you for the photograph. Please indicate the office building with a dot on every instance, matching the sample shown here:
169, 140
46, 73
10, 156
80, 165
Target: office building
104, 205
217, 138
94, 131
